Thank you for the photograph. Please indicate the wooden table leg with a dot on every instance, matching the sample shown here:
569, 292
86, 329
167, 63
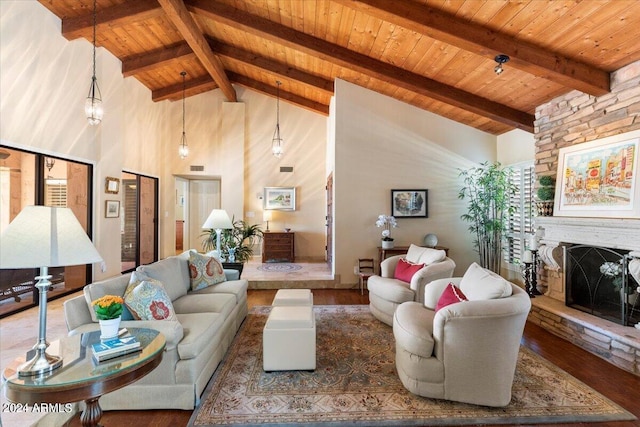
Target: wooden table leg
92, 413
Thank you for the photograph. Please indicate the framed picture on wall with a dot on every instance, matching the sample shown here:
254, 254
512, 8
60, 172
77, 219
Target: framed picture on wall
112, 209
599, 178
111, 185
409, 203
280, 198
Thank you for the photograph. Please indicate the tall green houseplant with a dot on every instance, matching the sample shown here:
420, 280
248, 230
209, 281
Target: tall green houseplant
241, 237
487, 189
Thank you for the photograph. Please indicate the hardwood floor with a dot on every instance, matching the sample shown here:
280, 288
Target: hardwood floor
618, 385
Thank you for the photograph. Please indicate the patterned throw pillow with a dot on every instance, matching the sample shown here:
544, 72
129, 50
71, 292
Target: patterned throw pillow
405, 270
450, 295
204, 271
147, 299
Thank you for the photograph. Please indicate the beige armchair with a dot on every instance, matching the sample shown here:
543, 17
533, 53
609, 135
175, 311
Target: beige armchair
466, 351
386, 292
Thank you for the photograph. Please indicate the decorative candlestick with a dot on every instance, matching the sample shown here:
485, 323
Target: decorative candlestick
534, 274
527, 274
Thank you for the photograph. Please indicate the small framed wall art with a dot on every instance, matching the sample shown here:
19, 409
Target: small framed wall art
112, 209
280, 198
409, 203
111, 185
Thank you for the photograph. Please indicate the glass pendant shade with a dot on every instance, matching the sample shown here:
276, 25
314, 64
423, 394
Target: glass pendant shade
277, 143
93, 105
183, 148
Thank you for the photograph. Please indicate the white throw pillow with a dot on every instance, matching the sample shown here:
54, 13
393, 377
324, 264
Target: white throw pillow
426, 256
480, 284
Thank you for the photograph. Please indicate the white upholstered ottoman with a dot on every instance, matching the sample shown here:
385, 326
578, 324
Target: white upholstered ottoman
289, 339
289, 297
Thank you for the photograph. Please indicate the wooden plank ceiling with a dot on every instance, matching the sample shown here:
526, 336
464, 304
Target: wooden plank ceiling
436, 55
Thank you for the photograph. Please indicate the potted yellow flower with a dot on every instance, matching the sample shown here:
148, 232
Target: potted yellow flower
108, 311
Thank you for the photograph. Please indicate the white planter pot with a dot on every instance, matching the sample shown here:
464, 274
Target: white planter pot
109, 328
387, 244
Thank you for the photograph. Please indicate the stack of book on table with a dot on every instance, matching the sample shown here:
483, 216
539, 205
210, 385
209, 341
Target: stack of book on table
123, 344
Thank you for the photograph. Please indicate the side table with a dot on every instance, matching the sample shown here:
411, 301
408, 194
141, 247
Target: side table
80, 378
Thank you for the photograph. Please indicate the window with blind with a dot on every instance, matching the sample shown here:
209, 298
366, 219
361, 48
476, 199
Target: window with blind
520, 222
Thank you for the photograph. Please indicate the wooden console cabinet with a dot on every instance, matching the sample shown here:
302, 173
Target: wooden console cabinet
278, 247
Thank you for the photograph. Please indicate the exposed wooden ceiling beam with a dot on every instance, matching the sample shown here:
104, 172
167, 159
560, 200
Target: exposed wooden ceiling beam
184, 22
156, 59
192, 87
160, 57
206, 83
114, 16
282, 70
316, 107
352, 60
486, 42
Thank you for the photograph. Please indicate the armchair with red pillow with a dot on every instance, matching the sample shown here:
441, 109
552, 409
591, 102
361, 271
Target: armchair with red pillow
403, 278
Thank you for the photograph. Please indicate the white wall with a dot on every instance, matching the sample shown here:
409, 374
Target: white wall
383, 144
44, 80
516, 146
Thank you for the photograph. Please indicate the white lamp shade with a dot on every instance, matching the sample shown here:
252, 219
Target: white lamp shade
266, 216
43, 236
218, 219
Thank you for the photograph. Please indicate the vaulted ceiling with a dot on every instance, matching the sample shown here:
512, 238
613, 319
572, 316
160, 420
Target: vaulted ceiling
436, 55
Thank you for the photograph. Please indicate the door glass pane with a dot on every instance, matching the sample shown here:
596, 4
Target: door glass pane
148, 221
129, 221
35, 179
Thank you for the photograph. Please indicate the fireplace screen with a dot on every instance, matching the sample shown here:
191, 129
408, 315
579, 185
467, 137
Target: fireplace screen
597, 282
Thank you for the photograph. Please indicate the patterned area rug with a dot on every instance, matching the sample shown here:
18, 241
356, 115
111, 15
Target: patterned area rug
355, 383
280, 267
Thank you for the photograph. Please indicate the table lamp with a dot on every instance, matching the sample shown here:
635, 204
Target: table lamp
267, 216
218, 220
43, 237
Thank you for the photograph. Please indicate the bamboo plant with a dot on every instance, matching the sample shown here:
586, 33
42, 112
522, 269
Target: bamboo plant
488, 189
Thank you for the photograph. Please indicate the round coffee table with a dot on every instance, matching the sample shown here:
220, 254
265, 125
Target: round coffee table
80, 378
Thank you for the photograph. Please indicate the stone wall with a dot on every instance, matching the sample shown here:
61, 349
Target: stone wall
576, 117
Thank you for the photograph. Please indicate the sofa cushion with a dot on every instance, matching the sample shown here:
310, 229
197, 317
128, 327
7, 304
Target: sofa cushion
480, 284
200, 330
238, 288
205, 303
204, 271
147, 299
405, 270
393, 290
113, 286
419, 255
173, 272
451, 295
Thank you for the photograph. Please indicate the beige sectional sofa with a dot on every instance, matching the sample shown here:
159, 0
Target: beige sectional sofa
207, 322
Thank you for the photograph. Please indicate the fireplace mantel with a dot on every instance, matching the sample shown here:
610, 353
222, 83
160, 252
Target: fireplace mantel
607, 232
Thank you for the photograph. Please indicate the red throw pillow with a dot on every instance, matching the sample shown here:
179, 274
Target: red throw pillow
450, 295
405, 270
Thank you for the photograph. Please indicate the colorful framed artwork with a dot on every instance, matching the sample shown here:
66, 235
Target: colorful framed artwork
280, 198
112, 209
599, 178
409, 203
111, 185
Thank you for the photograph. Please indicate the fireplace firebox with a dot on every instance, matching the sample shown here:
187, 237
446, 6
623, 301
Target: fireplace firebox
597, 282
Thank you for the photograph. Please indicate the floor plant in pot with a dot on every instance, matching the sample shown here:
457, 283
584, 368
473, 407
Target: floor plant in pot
488, 189
238, 240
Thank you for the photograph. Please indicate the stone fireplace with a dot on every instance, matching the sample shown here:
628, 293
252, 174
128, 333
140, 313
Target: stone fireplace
616, 343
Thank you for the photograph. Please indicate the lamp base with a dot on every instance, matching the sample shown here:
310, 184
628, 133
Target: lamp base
41, 363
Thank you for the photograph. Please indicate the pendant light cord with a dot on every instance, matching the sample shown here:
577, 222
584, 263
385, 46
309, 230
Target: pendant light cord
95, 23
183, 96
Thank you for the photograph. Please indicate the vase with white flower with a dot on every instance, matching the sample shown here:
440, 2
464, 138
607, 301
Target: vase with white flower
613, 270
387, 222
108, 310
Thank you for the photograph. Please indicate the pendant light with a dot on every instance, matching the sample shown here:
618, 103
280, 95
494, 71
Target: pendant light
277, 143
183, 149
93, 105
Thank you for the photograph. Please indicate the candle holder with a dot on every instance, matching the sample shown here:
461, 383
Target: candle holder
533, 291
528, 274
